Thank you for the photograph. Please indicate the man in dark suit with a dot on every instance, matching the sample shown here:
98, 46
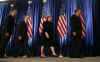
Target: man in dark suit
6, 30
22, 37
76, 32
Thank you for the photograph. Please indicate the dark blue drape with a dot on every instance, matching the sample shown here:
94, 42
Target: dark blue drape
88, 17
4, 11
36, 15
1, 11
87, 9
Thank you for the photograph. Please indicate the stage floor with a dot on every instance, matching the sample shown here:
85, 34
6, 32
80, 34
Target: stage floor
51, 59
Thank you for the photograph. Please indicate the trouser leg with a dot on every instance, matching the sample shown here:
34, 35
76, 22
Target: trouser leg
4, 43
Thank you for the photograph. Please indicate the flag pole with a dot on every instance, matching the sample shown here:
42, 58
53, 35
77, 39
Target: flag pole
61, 56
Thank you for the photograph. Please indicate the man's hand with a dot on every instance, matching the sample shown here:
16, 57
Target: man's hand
74, 33
47, 35
6, 34
19, 37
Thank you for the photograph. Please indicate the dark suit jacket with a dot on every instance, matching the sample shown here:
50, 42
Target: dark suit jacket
21, 29
75, 24
7, 25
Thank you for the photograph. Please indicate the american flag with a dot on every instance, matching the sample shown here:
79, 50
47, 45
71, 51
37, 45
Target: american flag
41, 24
62, 26
29, 24
83, 26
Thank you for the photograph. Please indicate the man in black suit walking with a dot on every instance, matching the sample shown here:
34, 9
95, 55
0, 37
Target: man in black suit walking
76, 32
22, 37
6, 30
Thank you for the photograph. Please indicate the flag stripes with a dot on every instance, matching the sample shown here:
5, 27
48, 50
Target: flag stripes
41, 24
29, 24
62, 26
83, 26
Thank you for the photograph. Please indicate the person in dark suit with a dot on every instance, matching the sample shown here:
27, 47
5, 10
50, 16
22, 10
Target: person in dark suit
76, 32
47, 37
22, 37
6, 30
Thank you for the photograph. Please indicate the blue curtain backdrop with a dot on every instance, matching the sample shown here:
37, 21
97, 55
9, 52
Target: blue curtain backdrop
87, 9
88, 16
1, 11
4, 11
36, 14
